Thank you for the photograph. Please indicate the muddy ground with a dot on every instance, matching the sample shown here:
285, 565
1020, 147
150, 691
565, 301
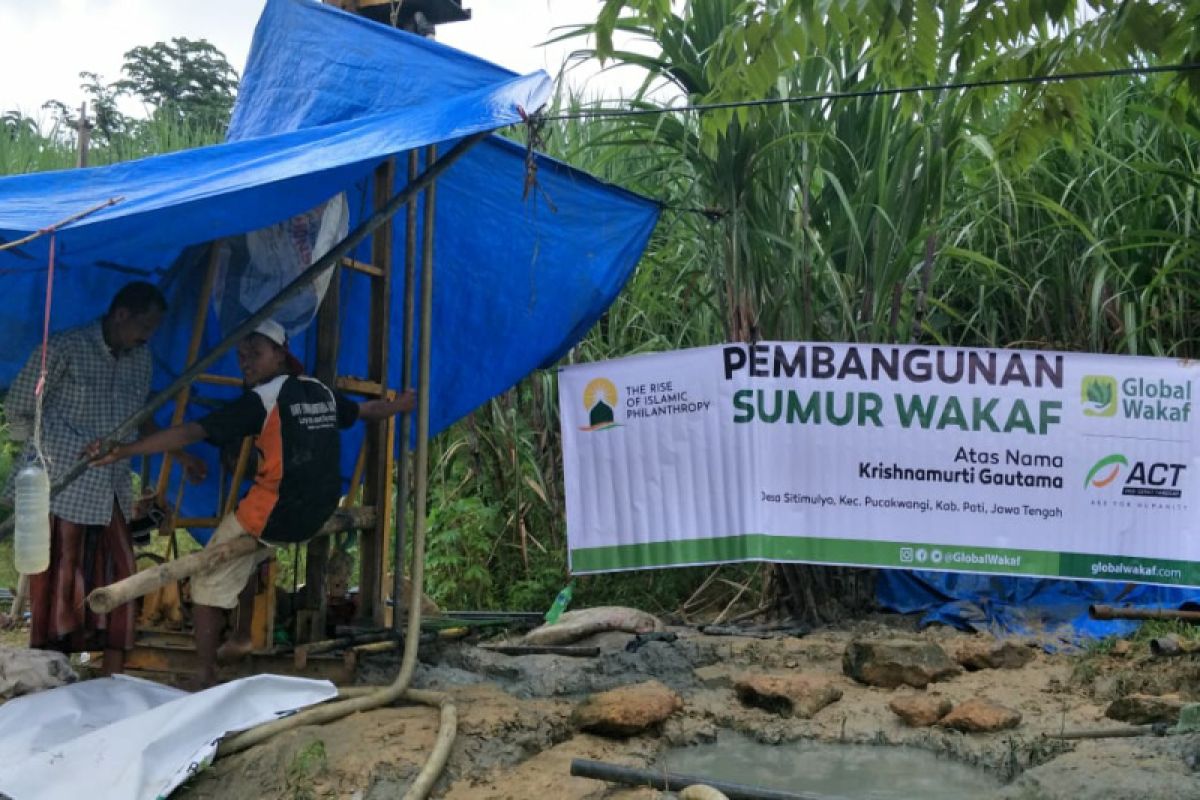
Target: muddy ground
516, 738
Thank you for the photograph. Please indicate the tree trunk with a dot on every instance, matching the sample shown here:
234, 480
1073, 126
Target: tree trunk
819, 595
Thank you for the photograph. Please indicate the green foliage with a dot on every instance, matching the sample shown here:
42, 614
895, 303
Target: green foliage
1160, 628
309, 762
182, 80
188, 88
1044, 216
460, 542
1058, 216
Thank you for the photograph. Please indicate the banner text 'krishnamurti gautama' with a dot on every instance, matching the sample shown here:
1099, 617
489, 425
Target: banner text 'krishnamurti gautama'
1001, 461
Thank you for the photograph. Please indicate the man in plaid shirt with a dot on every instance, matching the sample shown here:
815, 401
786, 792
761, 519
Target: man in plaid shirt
97, 376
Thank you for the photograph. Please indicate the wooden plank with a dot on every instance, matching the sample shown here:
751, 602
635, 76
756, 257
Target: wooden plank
262, 623
343, 519
377, 487
362, 386
197, 522
239, 473
381, 294
311, 617
352, 656
384, 512
220, 380
363, 267
159, 662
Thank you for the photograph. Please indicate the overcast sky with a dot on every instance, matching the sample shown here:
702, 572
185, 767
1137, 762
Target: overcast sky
45, 44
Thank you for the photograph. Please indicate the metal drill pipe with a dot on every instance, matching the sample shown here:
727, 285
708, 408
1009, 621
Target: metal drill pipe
674, 782
1113, 612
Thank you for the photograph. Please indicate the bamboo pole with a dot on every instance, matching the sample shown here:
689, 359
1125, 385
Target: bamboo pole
106, 598
197, 338
302, 281
410, 276
1157, 729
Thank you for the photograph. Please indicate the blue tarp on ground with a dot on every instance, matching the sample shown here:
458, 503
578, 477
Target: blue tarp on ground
325, 96
1056, 611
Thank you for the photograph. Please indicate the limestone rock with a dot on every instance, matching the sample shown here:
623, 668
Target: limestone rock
699, 791
716, 676
1144, 709
976, 654
24, 671
981, 716
575, 625
628, 710
790, 695
920, 710
1122, 647
896, 662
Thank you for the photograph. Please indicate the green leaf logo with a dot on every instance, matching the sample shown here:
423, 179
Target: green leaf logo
1099, 395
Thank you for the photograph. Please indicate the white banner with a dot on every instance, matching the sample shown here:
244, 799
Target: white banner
1011, 462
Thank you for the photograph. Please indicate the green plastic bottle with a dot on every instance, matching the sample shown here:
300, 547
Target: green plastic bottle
560, 603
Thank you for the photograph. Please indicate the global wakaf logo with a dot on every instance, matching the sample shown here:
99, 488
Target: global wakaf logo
1099, 395
600, 400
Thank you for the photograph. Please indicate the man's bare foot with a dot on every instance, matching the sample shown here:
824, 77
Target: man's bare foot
234, 650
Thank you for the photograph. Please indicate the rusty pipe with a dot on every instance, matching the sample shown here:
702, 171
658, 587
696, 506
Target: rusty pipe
1115, 612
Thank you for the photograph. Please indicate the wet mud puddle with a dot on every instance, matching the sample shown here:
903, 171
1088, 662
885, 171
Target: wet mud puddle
853, 772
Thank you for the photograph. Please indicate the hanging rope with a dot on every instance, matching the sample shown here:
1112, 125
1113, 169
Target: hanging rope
39, 391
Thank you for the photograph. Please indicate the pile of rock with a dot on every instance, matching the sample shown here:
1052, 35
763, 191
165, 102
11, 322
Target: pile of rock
892, 663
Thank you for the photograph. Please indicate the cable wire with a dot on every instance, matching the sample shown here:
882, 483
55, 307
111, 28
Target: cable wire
599, 113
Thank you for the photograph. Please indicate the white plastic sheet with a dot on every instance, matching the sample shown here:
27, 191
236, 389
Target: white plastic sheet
130, 739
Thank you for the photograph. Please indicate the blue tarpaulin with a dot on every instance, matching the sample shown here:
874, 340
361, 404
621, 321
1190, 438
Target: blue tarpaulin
520, 275
1056, 611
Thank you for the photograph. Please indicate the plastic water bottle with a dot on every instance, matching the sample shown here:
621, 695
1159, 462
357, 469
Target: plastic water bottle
31, 536
560, 603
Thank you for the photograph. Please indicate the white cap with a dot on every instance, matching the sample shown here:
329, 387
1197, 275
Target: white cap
273, 331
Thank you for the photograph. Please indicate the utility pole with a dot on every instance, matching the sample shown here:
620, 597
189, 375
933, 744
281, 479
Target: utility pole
83, 129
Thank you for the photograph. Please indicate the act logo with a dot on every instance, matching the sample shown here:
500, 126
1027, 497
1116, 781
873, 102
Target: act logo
1099, 395
600, 400
1105, 471
1141, 478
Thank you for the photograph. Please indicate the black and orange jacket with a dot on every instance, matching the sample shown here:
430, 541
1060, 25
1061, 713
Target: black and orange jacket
294, 421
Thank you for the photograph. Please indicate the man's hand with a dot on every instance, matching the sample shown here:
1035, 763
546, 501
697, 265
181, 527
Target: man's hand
406, 401
373, 410
96, 456
194, 468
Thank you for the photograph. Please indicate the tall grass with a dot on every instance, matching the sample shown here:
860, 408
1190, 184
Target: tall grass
870, 219
24, 150
870, 223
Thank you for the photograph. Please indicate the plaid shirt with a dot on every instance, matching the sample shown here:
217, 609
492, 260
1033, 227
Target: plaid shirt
89, 392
